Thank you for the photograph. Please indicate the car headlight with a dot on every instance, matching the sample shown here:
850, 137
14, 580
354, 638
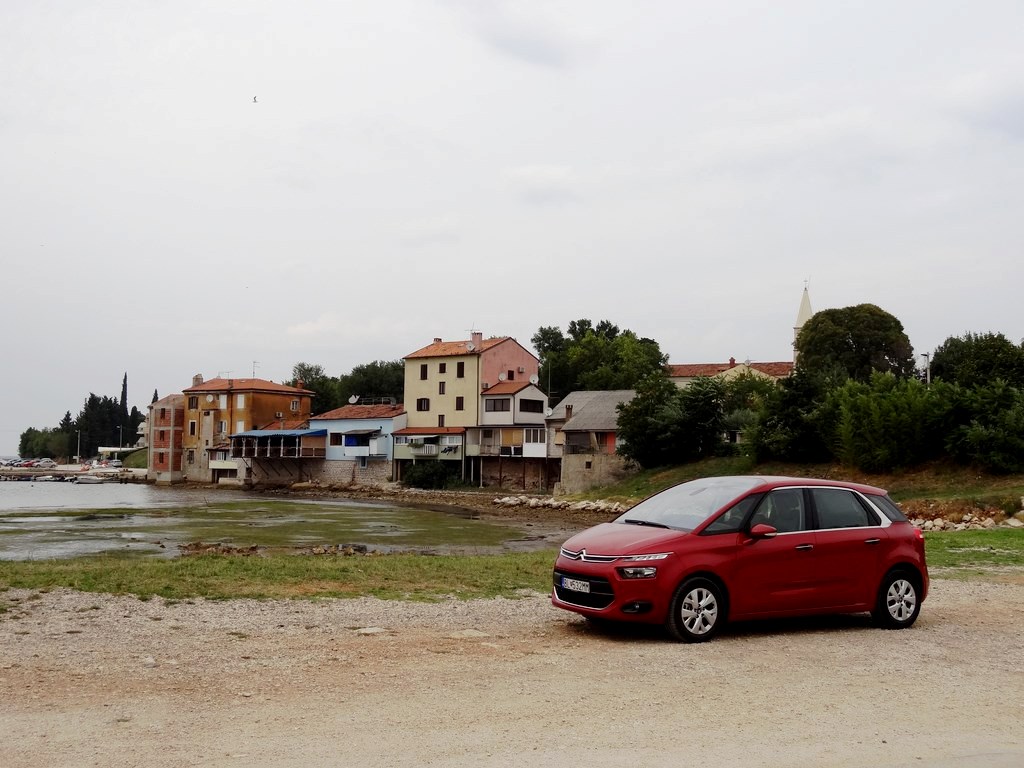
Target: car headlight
644, 558
638, 572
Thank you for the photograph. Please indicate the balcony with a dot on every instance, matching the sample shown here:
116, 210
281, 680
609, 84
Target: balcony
424, 449
276, 452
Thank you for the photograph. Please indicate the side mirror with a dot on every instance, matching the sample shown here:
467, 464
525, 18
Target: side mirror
763, 531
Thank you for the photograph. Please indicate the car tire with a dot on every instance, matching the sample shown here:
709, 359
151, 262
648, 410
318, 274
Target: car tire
697, 611
899, 600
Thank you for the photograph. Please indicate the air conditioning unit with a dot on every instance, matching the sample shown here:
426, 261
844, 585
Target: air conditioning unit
522, 369
485, 385
278, 415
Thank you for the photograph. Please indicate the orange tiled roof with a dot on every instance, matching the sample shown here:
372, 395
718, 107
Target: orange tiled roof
363, 412
506, 388
456, 348
693, 370
246, 385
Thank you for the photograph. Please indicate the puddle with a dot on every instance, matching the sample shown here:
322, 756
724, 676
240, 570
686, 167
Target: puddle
73, 521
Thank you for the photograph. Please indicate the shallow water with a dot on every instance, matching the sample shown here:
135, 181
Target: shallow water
64, 520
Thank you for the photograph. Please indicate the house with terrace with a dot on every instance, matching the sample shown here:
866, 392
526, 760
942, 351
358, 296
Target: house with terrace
445, 387
359, 443
583, 433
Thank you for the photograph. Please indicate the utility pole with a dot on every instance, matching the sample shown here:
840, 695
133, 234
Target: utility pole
927, 368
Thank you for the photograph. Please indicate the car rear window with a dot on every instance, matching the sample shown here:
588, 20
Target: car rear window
889, 508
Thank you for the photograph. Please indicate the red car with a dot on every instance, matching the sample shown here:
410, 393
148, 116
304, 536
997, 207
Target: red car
725, 548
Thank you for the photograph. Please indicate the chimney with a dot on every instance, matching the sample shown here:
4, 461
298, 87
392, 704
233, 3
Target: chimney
477, 338
300, 384
197, 380
568, 411
732, 362
437, 339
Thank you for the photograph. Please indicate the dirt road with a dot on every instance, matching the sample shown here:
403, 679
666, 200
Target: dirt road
91, 680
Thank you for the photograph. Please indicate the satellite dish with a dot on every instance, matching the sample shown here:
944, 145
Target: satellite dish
534, 379
354, 399
209, 398
501, 377
548, 411
470, 346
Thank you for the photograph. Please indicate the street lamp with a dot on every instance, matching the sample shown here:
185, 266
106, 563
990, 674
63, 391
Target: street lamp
927, 367
78, 456
119, 438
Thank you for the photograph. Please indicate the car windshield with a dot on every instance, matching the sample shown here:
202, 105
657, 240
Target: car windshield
688, 505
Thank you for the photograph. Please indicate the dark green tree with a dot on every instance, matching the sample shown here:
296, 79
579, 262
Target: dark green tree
379, 379
794, 422
977, 359
856, 341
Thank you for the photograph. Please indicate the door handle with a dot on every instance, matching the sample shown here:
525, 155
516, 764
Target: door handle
803, 547
872, 541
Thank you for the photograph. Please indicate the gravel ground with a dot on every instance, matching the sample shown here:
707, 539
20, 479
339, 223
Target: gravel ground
95, 680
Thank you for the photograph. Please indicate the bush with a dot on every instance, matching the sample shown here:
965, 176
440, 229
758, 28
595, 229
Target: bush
429, 475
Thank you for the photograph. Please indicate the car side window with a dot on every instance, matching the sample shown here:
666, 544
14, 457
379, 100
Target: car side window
782, 509
731, 520
838, 508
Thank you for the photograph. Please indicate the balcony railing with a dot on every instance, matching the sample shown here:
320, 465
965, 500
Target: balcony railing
277, 452
423, 449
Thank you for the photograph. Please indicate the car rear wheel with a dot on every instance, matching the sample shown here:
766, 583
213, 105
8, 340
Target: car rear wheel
697, 611
898, 601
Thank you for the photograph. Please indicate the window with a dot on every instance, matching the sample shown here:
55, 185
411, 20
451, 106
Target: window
193, 401
495, 404
239, 426
460, 403
440, 387
460, 370
163, 413
440, 420
162, 435
223, 401
531, 406
442, 367
295, 405
362, 462
510, 375
357, 441
731, 520
423, 371
423, 404
533, 436
336, 438
192, 429
783, 510
838, 508
190, 457
239, 401
401, 440
222, 427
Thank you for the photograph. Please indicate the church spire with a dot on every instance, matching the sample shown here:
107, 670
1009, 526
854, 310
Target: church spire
802, 316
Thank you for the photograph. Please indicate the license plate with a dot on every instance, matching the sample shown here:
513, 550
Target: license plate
576, 585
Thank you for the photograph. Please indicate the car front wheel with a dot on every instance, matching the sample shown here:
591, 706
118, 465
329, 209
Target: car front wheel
697, 611
898, 601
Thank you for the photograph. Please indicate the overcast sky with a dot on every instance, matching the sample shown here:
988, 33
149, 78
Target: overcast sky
412, 169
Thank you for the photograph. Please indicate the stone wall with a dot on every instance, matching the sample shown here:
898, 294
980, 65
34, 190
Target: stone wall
583, 471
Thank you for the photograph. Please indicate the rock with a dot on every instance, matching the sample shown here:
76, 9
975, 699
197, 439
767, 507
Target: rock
1013, 522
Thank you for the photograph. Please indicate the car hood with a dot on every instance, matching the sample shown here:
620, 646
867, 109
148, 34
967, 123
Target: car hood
622, 539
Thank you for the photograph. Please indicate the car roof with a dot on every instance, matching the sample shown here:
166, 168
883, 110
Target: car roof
769, 482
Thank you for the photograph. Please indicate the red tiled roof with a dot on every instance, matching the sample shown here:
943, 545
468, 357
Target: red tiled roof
506, 388
363, 412
693, 370
430, 431
456, 348
246, 385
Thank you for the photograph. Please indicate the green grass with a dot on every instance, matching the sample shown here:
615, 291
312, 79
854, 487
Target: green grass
136, 459
406, 577
975, 555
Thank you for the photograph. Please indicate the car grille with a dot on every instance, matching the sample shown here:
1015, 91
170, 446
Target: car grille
586, 557
599, 596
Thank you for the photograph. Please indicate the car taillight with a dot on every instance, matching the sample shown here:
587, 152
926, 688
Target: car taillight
919, 533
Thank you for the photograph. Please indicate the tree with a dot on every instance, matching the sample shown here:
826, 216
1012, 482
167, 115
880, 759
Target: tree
381, 378
790, 427
324, 388
855, 341
978, 359
594, 357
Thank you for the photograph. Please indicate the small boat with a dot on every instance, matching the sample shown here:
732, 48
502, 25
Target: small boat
89, 480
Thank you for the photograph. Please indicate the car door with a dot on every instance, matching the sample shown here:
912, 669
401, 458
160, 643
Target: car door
851, 544
775, 574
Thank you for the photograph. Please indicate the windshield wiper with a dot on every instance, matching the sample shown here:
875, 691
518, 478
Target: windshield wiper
634, 521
